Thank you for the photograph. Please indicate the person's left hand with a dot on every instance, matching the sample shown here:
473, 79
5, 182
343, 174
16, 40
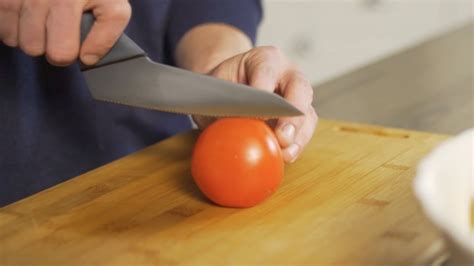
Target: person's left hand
266, 68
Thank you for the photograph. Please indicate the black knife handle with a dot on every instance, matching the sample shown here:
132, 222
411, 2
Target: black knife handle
123, 49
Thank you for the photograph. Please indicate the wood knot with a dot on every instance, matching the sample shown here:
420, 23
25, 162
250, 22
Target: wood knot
373, 202
404, 236
374, 131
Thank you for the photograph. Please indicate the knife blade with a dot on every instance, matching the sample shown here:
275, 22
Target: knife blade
127, 76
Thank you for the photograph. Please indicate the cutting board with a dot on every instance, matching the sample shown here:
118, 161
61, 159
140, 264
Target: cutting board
347, 201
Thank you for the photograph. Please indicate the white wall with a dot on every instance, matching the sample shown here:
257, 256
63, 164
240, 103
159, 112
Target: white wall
331, 37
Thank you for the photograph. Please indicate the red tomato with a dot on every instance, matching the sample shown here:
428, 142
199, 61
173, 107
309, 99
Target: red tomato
237, 162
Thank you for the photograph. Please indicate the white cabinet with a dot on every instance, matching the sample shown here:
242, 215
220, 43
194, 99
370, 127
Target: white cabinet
331, 37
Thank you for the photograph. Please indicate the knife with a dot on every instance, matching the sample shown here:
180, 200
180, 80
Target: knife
127, 76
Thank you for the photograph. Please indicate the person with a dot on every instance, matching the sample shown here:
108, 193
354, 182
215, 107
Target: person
52, 130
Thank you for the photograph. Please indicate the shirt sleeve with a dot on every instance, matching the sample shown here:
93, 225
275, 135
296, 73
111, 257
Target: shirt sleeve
185, 14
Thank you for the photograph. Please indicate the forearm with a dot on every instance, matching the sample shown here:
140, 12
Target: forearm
205, 46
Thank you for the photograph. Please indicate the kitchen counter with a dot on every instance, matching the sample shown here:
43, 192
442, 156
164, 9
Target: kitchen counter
347, 201
428, 87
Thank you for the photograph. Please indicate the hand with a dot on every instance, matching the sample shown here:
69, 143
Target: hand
52, 27
266, 68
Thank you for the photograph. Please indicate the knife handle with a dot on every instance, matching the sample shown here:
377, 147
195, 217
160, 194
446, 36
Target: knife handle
122, 50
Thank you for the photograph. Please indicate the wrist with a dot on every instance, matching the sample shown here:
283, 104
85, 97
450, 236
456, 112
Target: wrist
205, 46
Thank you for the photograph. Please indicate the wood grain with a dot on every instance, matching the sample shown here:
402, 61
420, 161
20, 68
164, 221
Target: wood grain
347, 201
427, 87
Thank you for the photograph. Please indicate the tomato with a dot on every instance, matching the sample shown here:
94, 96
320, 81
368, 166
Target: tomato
237, 162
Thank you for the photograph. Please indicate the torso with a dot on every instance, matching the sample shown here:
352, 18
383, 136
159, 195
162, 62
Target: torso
51, 128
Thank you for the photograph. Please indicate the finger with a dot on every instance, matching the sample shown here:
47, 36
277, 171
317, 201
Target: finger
298, 92
32, 27
9, 13
227, 70
63, 31
112, 17
264, 68
291, 153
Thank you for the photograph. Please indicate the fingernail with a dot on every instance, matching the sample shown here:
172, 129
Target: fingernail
293, 151
288, 131
90, 59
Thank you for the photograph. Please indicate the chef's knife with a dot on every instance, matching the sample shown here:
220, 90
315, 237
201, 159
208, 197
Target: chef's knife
127, 76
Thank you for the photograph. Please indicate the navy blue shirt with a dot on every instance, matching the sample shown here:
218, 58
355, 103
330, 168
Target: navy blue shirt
50, 127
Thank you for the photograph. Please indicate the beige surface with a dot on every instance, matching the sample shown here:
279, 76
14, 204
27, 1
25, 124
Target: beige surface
429, 87
328, 38
347, 201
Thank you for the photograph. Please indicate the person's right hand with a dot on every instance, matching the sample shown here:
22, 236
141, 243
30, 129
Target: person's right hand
52, 28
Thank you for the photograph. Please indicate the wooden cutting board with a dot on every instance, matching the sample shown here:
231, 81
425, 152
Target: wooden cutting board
347, 201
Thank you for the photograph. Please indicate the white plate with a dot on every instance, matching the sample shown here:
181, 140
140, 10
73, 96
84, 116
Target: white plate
444, 185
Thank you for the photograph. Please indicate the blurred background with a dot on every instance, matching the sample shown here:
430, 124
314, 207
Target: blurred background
401, 63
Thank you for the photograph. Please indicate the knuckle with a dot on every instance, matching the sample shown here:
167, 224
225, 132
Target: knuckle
272, 50
33, 4
271, 55
61, 4
298, 69
266, 69
303, 83
267, 53
10, 6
